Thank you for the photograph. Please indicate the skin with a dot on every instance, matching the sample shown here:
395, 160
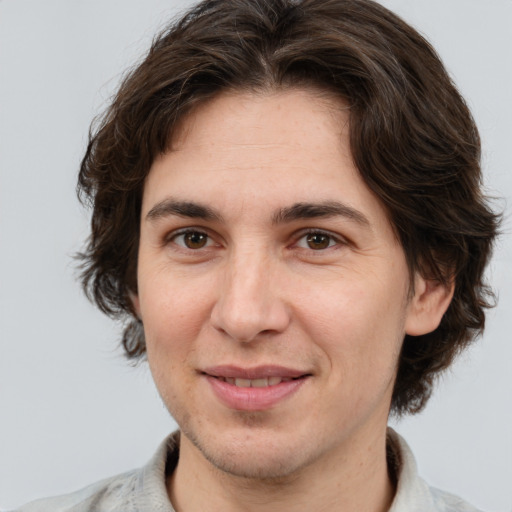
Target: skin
328, 295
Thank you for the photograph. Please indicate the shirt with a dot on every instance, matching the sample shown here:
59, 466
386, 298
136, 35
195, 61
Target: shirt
144, 489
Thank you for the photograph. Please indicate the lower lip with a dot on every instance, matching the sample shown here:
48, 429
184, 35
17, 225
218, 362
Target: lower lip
253, 399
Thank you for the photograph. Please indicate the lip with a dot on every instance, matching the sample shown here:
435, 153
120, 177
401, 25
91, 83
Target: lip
256, 372
253, 399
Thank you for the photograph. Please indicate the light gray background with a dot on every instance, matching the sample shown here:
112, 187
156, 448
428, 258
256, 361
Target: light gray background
71, 410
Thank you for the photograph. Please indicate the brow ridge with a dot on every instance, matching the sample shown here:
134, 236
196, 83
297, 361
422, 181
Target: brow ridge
303, 210
188, 209
297, 211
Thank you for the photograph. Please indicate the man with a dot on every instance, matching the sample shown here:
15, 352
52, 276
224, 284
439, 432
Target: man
287, 208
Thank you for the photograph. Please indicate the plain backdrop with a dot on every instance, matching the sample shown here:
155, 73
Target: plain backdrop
72, 410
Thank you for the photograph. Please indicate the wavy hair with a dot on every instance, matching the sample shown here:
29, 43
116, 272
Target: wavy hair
412, 137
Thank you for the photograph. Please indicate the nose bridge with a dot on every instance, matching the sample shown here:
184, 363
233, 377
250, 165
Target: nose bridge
249, 301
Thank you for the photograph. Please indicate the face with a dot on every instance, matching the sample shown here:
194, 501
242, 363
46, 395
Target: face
273, 291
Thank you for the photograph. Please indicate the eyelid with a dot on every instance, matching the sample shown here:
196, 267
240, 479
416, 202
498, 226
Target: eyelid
299, 235
336, 237
171, 236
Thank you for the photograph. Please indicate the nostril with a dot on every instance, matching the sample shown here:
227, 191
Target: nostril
244, 316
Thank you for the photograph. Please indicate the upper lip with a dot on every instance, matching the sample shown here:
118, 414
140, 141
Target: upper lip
256, 372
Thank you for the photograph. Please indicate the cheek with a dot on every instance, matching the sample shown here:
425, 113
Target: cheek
173, 306
171, 324
358, 326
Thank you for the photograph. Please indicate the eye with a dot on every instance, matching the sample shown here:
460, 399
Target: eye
192, 239
317, 241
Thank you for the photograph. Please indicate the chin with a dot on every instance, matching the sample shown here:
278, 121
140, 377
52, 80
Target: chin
255, 466
256, 456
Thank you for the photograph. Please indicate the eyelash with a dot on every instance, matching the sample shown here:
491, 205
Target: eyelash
182, 232
332, 240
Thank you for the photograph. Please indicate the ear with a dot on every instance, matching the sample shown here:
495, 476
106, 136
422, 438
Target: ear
428, 305
134, 297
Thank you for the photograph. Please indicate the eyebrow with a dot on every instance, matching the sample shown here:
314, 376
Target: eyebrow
297, 211
300, 211
186, 209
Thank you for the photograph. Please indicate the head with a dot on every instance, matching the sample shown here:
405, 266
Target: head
411, 136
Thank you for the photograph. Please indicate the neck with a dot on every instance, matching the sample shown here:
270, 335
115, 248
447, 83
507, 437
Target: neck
353, 478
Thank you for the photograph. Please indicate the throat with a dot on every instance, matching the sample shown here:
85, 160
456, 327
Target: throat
330, 485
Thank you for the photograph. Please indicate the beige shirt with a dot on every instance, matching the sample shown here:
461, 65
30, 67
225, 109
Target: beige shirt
143, 490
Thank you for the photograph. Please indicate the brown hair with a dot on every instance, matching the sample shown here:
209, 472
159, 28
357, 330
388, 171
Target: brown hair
412, 137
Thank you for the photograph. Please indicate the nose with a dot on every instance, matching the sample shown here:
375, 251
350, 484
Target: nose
250, 303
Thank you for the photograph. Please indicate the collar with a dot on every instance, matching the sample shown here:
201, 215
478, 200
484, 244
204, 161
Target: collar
412, 492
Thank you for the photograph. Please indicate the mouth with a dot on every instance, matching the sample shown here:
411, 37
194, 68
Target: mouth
255, 377
255, 383
254, 389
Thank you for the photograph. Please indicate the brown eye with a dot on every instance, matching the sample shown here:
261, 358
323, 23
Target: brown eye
318, 241
192, 240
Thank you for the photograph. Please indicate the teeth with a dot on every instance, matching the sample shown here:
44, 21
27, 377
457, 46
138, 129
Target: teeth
243, 383
259, 383
255, 383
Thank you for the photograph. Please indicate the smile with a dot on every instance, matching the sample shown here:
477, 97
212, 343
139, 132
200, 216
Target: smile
255, 383
254, 389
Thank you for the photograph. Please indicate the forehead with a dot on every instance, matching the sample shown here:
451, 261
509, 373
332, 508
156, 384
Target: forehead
275, 149
262, 117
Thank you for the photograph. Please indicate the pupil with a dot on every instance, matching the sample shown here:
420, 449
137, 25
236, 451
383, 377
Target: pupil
318, 241
195, 240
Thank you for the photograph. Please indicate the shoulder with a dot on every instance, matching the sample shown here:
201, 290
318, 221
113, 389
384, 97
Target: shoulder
446, 502
413, 493
138, 490
109, 495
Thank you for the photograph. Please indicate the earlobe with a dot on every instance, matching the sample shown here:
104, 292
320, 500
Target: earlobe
428, 305
134, 298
